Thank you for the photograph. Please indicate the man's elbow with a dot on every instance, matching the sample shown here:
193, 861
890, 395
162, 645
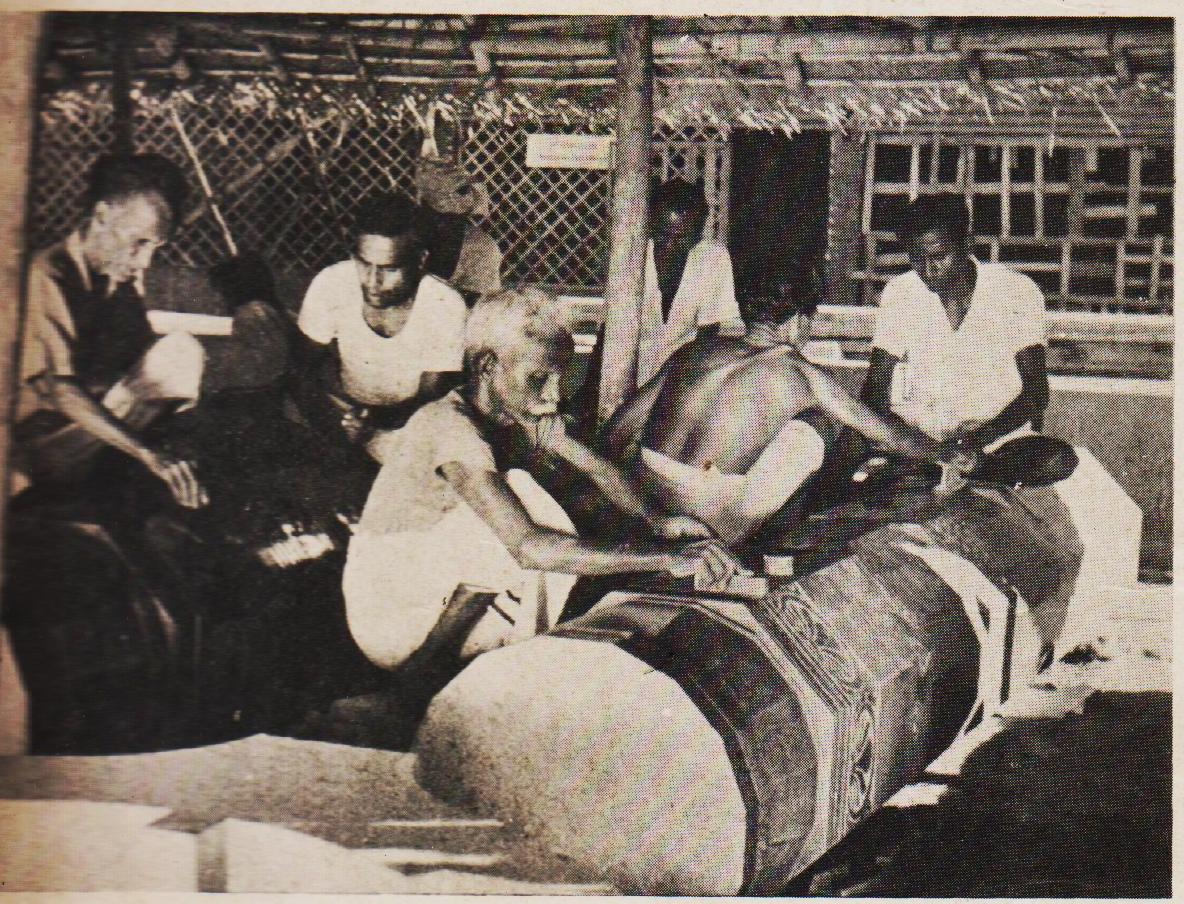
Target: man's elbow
534, 551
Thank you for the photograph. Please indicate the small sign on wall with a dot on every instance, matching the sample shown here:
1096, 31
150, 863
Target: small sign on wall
548, 151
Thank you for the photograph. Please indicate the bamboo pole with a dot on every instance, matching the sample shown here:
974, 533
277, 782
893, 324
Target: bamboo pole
207, 190
630, 212
18, 65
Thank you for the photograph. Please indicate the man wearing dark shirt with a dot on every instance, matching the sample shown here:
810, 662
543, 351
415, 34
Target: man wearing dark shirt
93, 374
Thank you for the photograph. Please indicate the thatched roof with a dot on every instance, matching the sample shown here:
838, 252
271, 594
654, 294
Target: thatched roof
843, 72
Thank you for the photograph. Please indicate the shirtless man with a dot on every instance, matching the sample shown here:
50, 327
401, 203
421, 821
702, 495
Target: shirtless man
730, 428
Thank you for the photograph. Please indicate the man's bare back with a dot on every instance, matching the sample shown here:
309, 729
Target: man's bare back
729, 429
702, 408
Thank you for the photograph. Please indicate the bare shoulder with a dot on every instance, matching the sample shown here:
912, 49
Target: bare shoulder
779, 379
700, 358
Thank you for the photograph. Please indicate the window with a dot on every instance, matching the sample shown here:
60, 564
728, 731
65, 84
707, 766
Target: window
1091, 222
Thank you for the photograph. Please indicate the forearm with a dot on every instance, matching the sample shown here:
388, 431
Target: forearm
893, 434
872, 417
1028, 406
73, 402
547, 550
608, 477
1020, 411
316, 388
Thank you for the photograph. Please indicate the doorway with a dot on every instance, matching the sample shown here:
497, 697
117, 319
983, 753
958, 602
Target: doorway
779, 202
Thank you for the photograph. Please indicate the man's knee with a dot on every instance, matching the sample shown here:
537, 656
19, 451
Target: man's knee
389, 642
172, 368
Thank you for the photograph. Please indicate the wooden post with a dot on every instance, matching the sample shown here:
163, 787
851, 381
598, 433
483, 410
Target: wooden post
1076, 208
123, 139
630, 212
18, 65
844, 237
1134, 200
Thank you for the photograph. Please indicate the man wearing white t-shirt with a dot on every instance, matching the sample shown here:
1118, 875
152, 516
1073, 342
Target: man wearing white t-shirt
959, 346
385, 338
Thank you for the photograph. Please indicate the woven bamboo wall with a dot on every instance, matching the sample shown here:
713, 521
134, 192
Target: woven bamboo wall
287, 185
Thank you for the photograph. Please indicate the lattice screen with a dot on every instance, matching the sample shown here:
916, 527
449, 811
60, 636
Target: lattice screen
552, 224
68, 143
1089, 221
698, 155
286, 191
287, 187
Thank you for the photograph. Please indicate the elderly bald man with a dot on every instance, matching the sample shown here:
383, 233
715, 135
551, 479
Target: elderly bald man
93, 374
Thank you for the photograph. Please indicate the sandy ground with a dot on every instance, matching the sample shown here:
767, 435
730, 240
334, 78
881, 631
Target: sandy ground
275, 815
262, 814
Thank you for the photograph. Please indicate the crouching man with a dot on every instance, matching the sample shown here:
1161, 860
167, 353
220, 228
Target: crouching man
93, 374
456, 553
730, 429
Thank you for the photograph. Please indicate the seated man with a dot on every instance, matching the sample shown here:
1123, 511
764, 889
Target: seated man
959, 348
93, 375
383, 337
446, 522
729, 429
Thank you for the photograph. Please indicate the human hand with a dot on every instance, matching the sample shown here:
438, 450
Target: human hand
180, 478
958, 456
709, 562
547, 432
680, 527
355, 423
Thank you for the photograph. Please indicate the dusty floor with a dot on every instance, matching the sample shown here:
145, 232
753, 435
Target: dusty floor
1070, 795
262, 814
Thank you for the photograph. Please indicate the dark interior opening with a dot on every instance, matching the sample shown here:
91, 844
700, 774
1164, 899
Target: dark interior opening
779, 201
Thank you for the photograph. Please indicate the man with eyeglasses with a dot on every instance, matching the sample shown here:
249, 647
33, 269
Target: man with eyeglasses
93, 374
384, 337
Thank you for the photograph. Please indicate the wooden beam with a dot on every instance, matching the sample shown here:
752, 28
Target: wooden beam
974, 69
483, 59
122, 139
843, 239
18, 66
360, 67
276, 62
625, 286
1075, 213
1134, 200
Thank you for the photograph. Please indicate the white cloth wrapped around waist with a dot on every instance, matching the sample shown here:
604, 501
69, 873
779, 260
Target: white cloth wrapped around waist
732, 504
396, 584
703, 493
